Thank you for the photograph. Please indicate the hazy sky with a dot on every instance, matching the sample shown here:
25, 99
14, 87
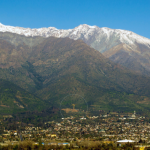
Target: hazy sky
133, 15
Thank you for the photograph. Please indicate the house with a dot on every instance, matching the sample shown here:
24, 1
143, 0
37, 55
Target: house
122, 142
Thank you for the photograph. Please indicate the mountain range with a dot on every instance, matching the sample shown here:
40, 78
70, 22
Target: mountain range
121, 46
52, 68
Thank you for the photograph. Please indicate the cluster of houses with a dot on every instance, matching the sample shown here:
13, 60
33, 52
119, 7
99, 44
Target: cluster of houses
105, 127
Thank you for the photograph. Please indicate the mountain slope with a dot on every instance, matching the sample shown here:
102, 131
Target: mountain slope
29, 63
61, 57
14, 99
53, 67
69, 67
121, 46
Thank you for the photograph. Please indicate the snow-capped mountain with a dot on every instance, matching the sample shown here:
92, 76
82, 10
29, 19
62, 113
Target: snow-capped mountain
84, 32
122, 46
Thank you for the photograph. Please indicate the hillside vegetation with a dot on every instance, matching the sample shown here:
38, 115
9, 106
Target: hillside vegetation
52, 68
15, 99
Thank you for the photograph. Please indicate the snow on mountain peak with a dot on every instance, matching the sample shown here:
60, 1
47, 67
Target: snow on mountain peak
83, 31
85, 26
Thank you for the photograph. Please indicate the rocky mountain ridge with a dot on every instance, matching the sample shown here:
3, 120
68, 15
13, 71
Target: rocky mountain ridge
121, 46
82, 31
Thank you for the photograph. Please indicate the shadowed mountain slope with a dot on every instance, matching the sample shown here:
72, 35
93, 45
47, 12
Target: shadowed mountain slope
14, 99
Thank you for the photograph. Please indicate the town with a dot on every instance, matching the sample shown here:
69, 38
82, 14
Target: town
107, 128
